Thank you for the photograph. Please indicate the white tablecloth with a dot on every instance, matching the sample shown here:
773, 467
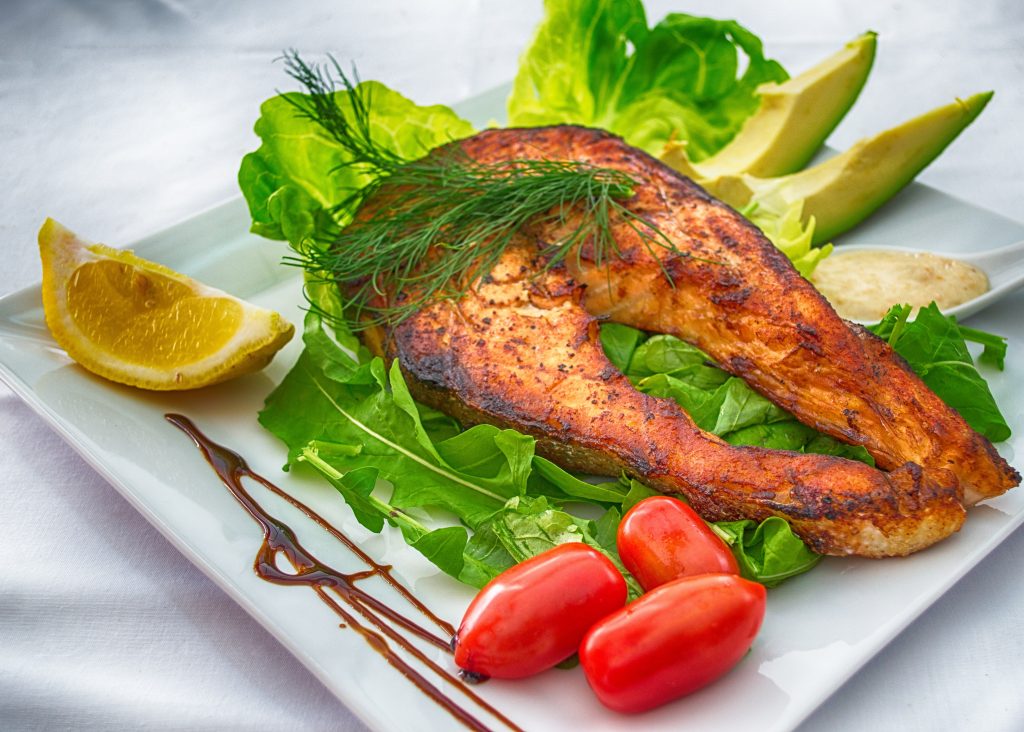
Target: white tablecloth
120, 118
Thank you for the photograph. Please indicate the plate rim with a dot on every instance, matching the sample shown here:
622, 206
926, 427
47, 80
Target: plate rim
364, 710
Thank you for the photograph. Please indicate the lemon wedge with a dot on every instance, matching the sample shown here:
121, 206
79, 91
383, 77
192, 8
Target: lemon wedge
139, 323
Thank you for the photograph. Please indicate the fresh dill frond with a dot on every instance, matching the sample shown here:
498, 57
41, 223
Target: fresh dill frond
425, 229
349, 128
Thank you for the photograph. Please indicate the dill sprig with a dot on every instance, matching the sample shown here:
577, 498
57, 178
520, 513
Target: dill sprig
425, 229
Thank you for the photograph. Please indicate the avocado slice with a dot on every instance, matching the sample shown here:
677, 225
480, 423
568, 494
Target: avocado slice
792, 122
844, 190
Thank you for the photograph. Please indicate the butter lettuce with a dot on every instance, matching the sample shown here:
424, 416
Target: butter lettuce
784, 227
299, 173
596, 63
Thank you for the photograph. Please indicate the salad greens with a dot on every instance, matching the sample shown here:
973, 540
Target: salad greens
935, 346
766, 551
299, 174
596, 63
664, 366
353, 420
784, 227
358, 424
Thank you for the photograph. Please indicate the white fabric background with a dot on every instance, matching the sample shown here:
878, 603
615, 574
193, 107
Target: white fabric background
120, 118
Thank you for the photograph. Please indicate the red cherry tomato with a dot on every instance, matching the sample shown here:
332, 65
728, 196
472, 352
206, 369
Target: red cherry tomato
672, 641
661, 539
535, 614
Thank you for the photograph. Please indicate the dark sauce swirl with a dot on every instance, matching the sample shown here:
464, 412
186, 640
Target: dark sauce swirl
357, 609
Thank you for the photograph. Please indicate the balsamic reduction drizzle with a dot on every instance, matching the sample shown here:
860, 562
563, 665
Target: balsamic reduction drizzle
348, 601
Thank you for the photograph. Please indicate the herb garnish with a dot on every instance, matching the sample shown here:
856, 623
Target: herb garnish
434, 224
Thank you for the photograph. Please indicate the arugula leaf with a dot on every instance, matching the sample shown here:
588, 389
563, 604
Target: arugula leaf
934, 346
474, 561
483, 466
768, 552
548, 479
356, 486
298, 174
994, 346
597, 63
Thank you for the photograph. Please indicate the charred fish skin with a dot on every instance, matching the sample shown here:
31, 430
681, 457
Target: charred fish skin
520, 352
736, 296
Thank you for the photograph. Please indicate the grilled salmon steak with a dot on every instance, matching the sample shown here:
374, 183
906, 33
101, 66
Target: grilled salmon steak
521, 350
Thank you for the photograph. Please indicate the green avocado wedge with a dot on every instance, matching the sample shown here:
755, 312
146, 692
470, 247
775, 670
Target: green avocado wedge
793, 120
844, 190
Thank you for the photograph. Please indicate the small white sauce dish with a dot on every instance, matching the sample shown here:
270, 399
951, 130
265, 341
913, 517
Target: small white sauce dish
1004, 268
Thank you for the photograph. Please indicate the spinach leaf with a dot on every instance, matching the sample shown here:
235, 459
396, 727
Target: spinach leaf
825, 445
664, 354
637, 492
785, 435
768, 552
620, 343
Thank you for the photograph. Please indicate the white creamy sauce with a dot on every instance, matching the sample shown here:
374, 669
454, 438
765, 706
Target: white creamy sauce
863, 285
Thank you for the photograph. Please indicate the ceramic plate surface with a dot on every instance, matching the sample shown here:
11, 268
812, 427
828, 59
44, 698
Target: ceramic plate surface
820, 627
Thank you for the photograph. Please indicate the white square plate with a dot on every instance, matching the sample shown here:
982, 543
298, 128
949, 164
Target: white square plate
820, 627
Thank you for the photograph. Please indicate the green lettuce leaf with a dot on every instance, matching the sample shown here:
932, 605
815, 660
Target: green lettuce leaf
550, 480
784, 227
768, 552
299, 172
529, 526
483, 466
724, 405
619, 343
596, 63
935, 347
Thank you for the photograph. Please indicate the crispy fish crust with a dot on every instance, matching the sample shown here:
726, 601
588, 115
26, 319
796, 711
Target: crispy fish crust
522, 351
737, 298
